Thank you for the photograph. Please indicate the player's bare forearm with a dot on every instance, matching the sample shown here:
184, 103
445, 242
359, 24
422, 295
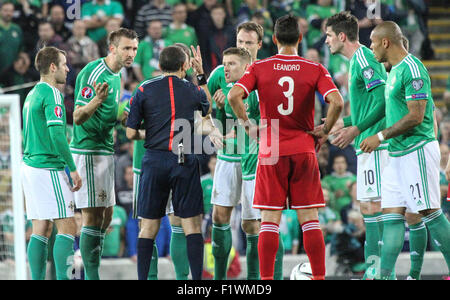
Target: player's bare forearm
413, 118
235, 97
85, 112
334, 110
135, 134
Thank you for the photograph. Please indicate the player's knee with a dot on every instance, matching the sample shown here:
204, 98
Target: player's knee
221, 214
251, 226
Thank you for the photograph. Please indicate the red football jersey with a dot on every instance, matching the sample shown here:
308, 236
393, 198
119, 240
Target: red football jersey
286, 87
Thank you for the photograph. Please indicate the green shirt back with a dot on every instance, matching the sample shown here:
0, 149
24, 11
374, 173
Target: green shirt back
43, 107
409, 81
95, 136
365, 74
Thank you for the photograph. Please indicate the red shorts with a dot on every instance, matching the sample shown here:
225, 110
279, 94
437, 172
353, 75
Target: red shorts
292, 182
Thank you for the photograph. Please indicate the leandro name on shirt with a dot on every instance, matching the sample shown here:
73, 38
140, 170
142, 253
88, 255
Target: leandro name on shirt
285, 67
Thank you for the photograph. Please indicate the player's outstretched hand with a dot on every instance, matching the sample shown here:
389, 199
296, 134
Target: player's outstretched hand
76, 179
216, 138
369, 144
345, 136
101, 90
196, 61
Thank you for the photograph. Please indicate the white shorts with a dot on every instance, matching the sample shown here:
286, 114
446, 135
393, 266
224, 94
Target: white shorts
47, 194
370, 166
97, 175
412, 180
227, 184
248, 192
136, 181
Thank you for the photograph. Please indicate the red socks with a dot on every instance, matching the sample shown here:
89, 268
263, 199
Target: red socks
267, 249
314, 245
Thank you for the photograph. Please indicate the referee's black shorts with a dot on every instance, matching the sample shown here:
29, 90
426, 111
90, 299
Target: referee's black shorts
161, 173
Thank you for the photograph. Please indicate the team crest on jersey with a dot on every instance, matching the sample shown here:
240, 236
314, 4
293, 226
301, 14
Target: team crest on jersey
58, 112
87, 92
417, 84
368, 73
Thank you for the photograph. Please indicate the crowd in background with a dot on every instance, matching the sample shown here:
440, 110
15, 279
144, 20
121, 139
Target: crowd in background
80, 27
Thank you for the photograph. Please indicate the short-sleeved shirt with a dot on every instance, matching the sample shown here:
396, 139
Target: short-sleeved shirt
286, 87
246, 146
217, 81
92, 8
147, 56
43, 107
166, 105
365, 74
409, 81
185, 35
11, 43
95, 136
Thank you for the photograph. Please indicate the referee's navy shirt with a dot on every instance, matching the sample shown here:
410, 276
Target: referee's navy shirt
161, 101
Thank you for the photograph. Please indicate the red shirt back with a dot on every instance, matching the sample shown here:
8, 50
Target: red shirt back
286, 87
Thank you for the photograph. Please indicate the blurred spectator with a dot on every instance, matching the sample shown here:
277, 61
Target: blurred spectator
72, 9
178, 31
323, 159
19, 73
146, 62
447, 94
338, 183
82, 49
155, 10
125, 192
114, 243
207, 184
360, 9
48, 37
162, 239
268, 47
316, 15
330, 221
111, 25
11, 38
354, 205
279, 8
319, 106
57, 19
290, 231
222, 35
445, 131
201, 20
96, 13
249, 8
304, 29
123, 162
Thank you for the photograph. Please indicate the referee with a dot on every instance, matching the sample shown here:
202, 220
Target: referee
160, 103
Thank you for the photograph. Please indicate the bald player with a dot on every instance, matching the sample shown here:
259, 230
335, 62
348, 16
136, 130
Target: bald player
411, 177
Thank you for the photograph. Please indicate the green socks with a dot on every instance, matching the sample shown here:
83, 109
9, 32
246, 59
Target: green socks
278, 270
37, 253
90, 248
372, 244
178, 253
418, 237
221, 246
63, 256
439, 228
153, 271
393, 238
252, 257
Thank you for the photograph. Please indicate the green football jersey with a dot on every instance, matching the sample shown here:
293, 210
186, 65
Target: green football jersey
217, 81
409, 81
43, 107
109, 8
365, 74
95, 136
247, 146
207, 186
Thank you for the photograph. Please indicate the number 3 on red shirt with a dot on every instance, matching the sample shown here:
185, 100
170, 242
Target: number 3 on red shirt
288, 95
